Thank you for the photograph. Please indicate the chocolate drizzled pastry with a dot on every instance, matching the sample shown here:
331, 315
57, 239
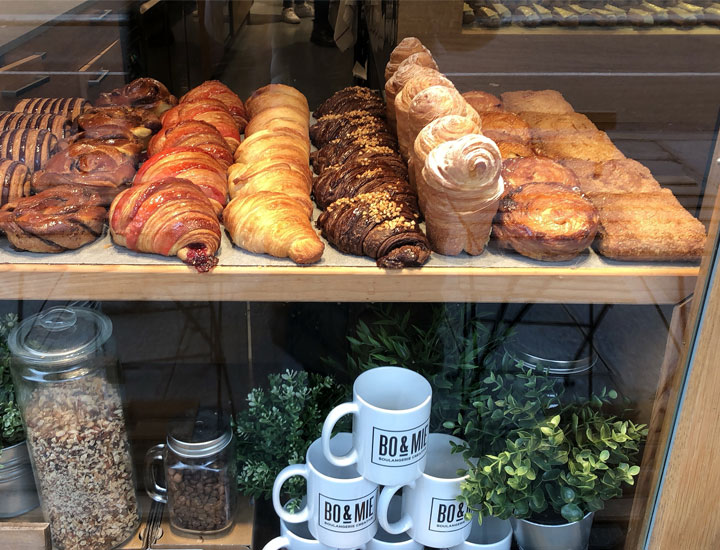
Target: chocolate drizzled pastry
14, 181
31, 147
71, 107
375, 225
365, 147
119, 122
353, 98
65, 217
332, 152
145, 93
332, 127
59, 124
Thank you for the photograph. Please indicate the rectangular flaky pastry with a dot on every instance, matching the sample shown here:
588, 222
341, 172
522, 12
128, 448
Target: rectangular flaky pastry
545, 126
595, 146
538, 101
647, 226
612, 176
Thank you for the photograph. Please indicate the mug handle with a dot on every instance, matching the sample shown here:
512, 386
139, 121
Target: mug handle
277, 543
152, 488
283, 476
404, 523
329, 425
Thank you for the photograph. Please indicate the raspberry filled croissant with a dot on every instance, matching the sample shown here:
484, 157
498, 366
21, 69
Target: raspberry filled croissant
214, 89
273, 223
193, 133
171, 217
212, 111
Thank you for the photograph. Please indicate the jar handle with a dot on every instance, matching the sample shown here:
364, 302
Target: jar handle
154, 491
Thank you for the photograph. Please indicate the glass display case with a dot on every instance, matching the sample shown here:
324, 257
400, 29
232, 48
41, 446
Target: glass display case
514, 200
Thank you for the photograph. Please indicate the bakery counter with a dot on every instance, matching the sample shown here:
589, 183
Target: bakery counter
103, 271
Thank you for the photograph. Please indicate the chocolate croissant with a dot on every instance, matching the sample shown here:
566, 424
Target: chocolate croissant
361, 147
354, 98
100, 168
331, 127
171, 217
31, 147
70, 107
333, 152
119, 122
144, 93
374, 225
193, 133
273, 223
59, 125
211, 111
214, 89
15, 181
546, 221
65, 217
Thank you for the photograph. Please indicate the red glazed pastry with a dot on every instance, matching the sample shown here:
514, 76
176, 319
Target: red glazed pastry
193, 133
212, 111
214, 89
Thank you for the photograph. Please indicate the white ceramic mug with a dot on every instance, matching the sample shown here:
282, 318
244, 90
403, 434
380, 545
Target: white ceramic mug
341, 504
431, 513
295, 536
387, 541
493, 534
391, 420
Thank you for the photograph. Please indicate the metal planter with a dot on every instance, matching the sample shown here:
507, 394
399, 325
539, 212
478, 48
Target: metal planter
538, 536
17, 485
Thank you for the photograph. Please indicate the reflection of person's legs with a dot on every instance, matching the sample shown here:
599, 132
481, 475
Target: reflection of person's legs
292, 14
322, 33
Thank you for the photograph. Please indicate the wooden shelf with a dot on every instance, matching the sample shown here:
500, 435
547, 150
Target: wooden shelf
625, 283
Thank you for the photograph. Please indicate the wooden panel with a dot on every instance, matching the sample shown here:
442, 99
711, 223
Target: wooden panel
626, 285
25, 536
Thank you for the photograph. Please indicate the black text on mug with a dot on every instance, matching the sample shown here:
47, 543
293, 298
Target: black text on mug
399, 448
447, 515
347, 516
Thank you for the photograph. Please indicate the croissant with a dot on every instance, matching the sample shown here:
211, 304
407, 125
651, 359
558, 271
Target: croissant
440, 130
103, 169
273, 223
171, 217
405, 48
279, 118
546, 221
514, 149
239, 173
273, 95
326, 185
144, 93
214, 89
31, 147
119, 122
71, 107
520, 171
459, 193
188, 163
504, 126
403, 101
211, 111
193, 133
267, 143
282, 178
15, 181
483, 102
374, 225
407, 70
342, 152
328, 152
354, 98
331, 127
65, 217
59, 125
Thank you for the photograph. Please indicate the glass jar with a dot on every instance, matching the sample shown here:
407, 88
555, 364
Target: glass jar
200, 474
65, 374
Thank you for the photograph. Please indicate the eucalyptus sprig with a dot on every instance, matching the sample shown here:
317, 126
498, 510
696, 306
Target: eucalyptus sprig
279, 425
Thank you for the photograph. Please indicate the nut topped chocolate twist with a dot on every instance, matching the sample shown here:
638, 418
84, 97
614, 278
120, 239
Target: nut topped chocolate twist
340, 151
65, 217
375, 225
354, 98
332, 127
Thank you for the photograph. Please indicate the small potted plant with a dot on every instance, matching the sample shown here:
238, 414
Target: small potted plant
545, 465
17, 486
275, 430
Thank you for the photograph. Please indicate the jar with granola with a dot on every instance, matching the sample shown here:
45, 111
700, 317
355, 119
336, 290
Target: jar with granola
65, 374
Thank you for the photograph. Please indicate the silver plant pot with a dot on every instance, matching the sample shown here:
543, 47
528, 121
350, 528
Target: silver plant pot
538, 536
17, 485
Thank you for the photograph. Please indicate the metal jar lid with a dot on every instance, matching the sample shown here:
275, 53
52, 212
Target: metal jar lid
59, 337
207, 435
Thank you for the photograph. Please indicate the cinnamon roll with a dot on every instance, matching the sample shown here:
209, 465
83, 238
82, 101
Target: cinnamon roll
143, 93
459, 194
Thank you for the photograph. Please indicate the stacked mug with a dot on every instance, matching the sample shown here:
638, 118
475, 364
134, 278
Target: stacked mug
390, 446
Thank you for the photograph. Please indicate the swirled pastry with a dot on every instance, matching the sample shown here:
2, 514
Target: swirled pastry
375, 225
405, 48
212, 111
31, 147
171, 217
214, 89
520, 171
483, 102
416, 65
15, 181
273, 223
143, 93
65, 217
504, 126
193, 133
403, 101
440, 130
538, 101
459, 193
119, 122
188, 163
101, 168
59, 125
332, 127
546, 221
273, 95
70, 107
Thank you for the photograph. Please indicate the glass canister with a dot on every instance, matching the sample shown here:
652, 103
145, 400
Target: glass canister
65, 373
198, 461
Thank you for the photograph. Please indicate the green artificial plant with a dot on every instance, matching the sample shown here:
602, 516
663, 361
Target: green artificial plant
278, 426
530, 455
11, 428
